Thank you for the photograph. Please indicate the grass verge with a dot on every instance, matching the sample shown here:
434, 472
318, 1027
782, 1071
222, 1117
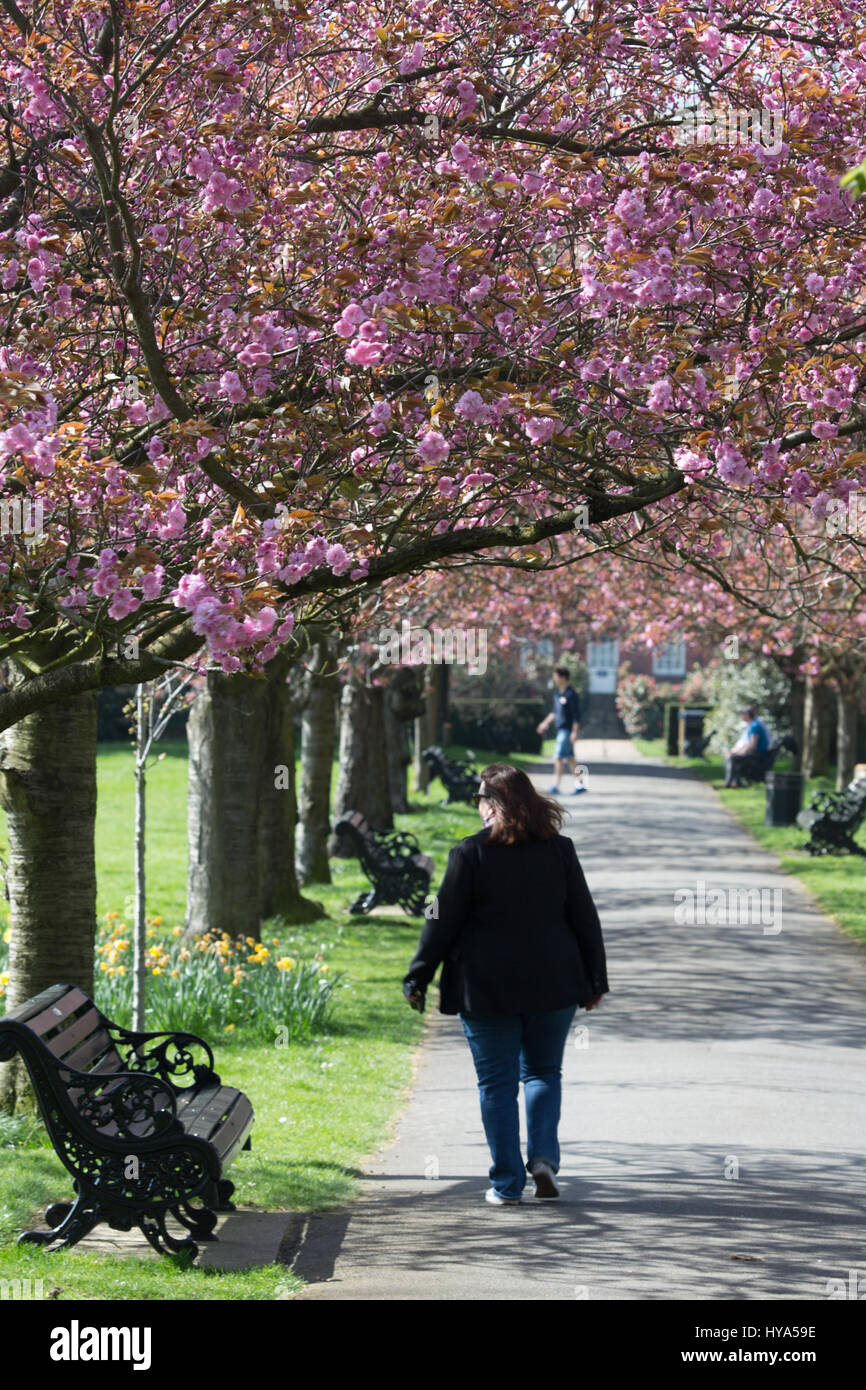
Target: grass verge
321, 1107
837, 881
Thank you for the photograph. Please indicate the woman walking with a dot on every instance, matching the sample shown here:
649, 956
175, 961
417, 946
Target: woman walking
517, 930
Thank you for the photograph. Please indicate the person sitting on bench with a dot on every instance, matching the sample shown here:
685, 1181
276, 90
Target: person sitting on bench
753, 739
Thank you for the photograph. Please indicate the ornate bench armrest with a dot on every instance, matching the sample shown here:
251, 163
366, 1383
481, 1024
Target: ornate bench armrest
169, 1059
123, 1100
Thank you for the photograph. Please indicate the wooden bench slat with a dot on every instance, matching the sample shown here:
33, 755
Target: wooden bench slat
64, 1041
48, 1018
93, 1050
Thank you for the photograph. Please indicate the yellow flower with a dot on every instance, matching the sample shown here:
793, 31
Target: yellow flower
323, 969
184, 955
122, 945
121, 970
103, 965
7, 935
230, 1027
275, 941
174, 974
250, 941
286, 963
157, 970
177, 931
111, 972
156, 921
4, 979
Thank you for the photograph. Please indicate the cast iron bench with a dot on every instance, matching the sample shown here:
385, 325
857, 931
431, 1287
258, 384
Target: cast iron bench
833, 819
392, 861
459, 778
138, 1145
753, 767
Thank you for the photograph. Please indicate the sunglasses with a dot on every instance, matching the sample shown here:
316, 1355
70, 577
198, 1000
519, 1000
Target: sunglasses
481, 796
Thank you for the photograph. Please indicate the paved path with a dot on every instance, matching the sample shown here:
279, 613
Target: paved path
713, 1135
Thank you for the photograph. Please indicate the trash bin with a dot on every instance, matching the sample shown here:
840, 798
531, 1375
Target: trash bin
691, 730
672, 728
784, 797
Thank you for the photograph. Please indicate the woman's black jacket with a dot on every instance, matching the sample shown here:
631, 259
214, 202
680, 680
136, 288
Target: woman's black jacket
516, 928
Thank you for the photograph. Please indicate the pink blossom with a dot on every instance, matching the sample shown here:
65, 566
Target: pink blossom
154, 448
19, 437
460, 152
380, 412
105, 583
731, 465
338, 559
710, 41
467, 94
473, 407
824, 429
124, 602
447, 486
631, 208
173, 523
660, 395
137, 413
230, 385
481, 290
20, 619
201, 165
254, 355
151, 583
540, 429
433, 447
10, 274
37, 274
260, 624
411, 62
364, 353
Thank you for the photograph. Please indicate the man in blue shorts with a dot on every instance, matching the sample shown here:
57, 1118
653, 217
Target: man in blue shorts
565, 716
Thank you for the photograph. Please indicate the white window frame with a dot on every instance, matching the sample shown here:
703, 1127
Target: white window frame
670, 659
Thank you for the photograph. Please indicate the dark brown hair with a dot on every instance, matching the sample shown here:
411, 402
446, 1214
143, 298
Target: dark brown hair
523, 814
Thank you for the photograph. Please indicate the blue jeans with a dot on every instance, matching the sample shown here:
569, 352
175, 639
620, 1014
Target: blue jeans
507, 1050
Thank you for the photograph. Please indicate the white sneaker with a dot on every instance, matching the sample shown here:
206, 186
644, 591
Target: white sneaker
545, 1179
496, 1201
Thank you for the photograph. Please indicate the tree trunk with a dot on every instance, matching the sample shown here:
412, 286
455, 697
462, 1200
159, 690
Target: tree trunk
404, 700
226, 749
48, 790
139, 934
279, 894
362, 784
318, 727
798, 710
846, 737
815, 729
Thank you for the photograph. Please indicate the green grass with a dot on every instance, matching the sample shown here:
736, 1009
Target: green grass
321, 1107
837, 881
